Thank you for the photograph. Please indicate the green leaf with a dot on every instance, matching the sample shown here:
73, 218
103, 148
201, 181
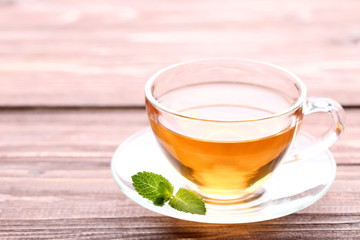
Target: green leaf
165, 193
153, 187
160, 201
188, 201
159, 190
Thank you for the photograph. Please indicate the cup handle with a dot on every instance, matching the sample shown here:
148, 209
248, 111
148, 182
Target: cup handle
324, 141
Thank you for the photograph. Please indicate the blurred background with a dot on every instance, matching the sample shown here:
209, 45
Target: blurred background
100, 53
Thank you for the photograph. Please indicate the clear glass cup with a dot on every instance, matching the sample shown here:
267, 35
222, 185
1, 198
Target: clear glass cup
226, 124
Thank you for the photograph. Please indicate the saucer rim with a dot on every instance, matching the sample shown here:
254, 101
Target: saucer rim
167, 211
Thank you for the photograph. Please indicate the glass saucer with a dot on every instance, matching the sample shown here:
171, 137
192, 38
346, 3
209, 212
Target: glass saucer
294, 186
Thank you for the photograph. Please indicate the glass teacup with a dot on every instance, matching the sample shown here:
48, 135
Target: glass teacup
226, 124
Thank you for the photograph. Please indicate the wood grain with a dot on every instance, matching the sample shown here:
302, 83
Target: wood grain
84, 193
296, 226
100, 53
94, 134
71, 90
56, 183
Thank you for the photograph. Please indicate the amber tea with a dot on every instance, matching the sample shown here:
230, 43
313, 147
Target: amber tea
211, 149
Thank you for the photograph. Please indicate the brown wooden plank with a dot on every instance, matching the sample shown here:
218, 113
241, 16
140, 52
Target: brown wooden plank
93, 135
83, 193
100, 53
296, 226
93, 207
67, 154
56, 183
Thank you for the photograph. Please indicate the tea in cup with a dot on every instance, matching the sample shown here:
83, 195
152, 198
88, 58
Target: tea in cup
227, 124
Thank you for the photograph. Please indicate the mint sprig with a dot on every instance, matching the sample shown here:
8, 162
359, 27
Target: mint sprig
159, 190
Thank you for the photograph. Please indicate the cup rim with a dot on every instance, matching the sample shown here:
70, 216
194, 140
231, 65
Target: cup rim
300, 100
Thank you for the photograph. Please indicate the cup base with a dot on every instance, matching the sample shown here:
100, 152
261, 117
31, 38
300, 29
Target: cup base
223, 198
246, 203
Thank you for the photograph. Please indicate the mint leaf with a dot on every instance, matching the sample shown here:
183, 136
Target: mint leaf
159, 190
188, 201
165, 193
165, 190
153, 187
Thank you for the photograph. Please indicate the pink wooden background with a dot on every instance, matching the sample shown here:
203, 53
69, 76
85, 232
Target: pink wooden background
71, 90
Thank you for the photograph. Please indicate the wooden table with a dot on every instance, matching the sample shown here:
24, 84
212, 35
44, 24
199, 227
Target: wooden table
71, 90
